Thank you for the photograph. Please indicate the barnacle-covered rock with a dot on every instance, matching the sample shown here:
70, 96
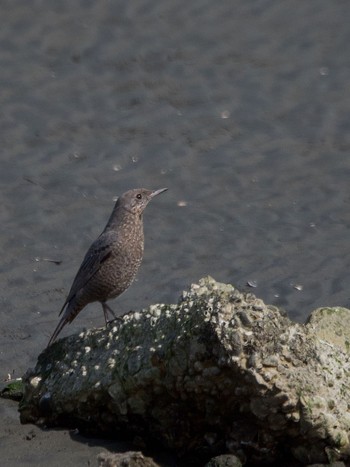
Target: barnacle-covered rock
220, 372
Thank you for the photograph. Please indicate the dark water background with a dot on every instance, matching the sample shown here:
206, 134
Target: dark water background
240, 108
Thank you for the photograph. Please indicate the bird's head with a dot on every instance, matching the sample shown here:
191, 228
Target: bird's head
136, 200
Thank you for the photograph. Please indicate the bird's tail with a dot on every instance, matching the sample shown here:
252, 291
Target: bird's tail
69, 314
63, 321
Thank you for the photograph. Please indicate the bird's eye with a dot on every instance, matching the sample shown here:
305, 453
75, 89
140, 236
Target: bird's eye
138, 196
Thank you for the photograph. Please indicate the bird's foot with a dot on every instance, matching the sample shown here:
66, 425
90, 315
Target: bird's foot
107, 310
111, 322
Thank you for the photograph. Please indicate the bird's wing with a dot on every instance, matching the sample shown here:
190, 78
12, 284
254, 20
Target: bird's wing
99, 251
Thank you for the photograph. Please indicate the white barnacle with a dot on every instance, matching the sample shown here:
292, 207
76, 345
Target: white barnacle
111, 363
35, 381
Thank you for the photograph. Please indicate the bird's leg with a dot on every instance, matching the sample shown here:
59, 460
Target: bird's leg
107, 309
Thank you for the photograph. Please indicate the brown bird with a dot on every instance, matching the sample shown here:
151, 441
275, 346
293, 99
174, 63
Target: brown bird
112, 261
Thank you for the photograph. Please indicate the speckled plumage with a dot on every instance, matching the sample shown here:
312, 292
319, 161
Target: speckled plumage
112, 261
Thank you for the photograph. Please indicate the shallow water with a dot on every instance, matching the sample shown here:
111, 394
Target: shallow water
240, 108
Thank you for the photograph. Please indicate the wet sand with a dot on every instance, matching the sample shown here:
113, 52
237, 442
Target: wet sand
241, 109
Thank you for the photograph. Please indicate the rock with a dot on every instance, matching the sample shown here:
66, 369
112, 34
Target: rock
333, 464
220, 372
225, 460
329, 324
125, 459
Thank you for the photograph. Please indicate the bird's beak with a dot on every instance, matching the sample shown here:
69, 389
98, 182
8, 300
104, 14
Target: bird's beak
158, 192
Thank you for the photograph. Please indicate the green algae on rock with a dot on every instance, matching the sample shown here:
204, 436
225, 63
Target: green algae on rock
13, 390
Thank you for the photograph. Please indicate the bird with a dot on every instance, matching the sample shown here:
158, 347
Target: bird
113, 259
